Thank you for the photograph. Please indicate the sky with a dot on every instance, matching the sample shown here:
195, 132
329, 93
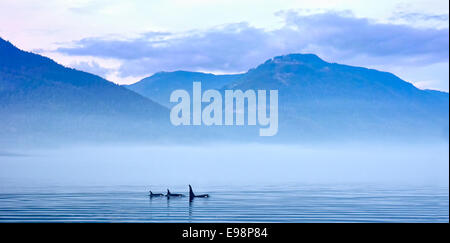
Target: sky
125, 41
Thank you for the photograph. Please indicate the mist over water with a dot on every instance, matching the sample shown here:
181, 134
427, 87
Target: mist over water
225, 164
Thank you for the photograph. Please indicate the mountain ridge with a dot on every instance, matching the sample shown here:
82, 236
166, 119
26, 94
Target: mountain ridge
42, 100
315, 95
157, 85
40, 96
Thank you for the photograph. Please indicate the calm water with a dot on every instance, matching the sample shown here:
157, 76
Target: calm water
287, 203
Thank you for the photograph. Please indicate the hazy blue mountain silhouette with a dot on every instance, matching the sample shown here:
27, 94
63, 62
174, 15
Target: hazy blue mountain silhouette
334, 99
40, 98
160, 85
320, 100
41, 101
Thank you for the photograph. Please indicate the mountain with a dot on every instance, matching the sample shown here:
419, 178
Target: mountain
160, 85
341, 100
44, 102
322, 100
42, 99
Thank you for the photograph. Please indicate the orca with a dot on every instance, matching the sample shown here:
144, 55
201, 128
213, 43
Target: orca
155, 194
173, 194
192, 195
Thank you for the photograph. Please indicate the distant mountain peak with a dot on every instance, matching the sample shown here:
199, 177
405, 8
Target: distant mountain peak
296, 58
178, 72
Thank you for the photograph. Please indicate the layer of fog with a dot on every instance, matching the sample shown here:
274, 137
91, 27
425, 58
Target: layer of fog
161, 166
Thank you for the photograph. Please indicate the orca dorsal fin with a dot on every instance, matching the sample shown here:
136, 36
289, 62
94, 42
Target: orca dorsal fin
191, 193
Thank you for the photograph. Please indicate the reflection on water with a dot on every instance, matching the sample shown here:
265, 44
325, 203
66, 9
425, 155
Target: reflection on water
294, 203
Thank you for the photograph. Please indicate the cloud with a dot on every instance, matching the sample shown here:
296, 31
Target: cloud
414, 16
336, 36
351, 36
91, 67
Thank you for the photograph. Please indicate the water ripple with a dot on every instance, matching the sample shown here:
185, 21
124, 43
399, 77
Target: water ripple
262, 204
